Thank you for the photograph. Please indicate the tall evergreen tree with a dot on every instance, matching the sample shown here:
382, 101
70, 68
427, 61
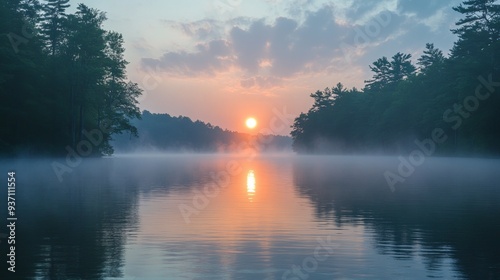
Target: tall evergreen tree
84, 53
21, 74
401, 67
382, 74
476, 54
57, 86
431, 57
479, 35
480, 15
388, 73
53, 22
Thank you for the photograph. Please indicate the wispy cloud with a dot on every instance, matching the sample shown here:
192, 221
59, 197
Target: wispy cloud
267, 52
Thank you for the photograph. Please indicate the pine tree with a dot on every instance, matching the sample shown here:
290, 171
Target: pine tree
479, 34
53, 22
388, 73
120, 97
401, 67
431, 57
480, 15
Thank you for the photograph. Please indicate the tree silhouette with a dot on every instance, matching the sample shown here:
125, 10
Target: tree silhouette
53, 23
388, 73
399, 105
431, 57
63, 84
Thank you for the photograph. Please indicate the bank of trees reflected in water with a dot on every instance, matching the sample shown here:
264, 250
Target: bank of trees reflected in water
86, 226
449, 208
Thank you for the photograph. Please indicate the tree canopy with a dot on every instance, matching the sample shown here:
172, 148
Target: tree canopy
62, 78
402, 104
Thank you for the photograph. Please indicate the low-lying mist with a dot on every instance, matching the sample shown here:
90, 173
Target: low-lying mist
447, 202
164, 133
391, 172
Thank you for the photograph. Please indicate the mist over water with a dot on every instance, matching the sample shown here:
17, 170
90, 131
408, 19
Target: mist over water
173, 216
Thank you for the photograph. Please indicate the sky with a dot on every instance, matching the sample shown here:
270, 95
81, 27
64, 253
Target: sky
222, 61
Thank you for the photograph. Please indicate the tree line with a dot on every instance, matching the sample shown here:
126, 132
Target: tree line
404, 103
162, 132
62, 76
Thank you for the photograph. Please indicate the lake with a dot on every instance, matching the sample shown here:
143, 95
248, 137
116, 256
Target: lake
241, 217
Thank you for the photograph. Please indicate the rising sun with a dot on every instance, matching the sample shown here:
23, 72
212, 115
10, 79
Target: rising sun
251, 123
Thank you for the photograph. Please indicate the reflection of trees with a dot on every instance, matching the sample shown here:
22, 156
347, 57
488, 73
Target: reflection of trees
77, 229
444, 209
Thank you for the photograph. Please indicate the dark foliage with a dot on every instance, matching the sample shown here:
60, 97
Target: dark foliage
62, 77
456, 94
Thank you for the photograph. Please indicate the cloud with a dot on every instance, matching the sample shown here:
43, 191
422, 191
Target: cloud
141, 45
297, 7
261, 82
250, 45
425, 10
267, 53
202, 29
209, 59
436, 14
281, 49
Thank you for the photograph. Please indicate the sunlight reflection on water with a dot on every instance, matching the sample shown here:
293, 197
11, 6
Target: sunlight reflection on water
251, 184
118, 218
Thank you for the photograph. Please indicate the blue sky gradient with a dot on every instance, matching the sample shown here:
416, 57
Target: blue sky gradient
221, 61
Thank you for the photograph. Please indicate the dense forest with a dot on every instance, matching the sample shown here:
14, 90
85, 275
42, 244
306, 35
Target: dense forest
64, 87
162, 132
62, 80
64, 90
441, 104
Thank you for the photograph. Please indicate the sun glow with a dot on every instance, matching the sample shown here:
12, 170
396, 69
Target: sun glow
251, 123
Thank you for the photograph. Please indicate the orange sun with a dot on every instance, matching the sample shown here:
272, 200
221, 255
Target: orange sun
251, 123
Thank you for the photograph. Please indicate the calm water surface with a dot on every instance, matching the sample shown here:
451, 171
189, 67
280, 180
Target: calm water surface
229, 217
